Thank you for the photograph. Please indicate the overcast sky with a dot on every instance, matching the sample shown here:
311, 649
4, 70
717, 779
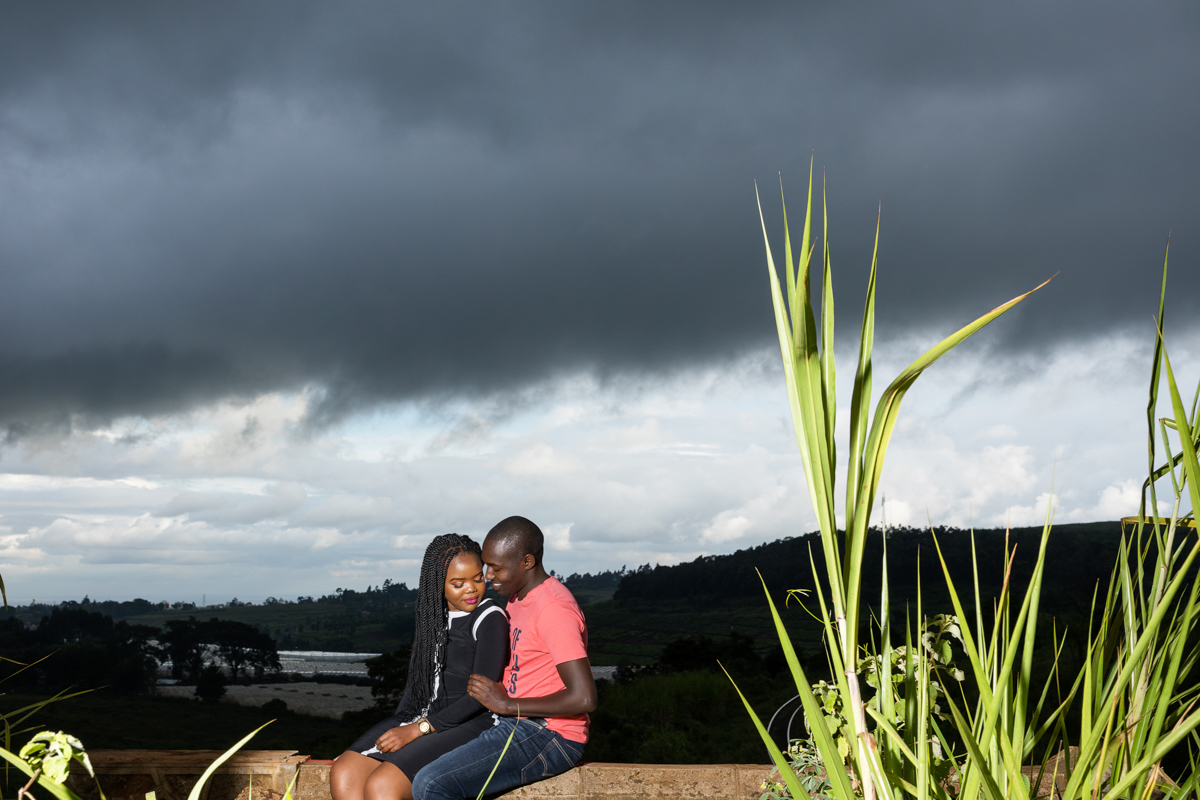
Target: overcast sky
286, 289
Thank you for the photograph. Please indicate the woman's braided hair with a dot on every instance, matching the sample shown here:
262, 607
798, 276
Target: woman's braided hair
431, 635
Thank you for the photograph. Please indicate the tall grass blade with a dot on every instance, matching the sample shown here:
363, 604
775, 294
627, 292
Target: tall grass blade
503, 750
860, 398
1186, 435
197, 790
781, 763
287, 794
812, 709
985, 782
1155, 372
889, 403
57, 789
828, 363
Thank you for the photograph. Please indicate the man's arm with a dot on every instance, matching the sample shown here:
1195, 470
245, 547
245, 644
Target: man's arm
579, 696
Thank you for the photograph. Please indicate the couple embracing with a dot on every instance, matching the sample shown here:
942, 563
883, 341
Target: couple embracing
478, 671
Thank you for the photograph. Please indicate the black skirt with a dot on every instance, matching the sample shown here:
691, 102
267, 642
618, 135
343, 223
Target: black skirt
423, 749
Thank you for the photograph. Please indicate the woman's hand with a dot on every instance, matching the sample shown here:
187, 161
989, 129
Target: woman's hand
394, 738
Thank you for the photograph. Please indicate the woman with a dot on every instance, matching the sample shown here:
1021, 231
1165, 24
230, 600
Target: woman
459, 632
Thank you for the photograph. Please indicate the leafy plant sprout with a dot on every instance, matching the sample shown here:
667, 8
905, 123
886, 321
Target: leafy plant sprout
47, 758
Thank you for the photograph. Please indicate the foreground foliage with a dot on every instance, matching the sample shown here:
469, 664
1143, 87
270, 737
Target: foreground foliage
106, 721
46, 760
917, 735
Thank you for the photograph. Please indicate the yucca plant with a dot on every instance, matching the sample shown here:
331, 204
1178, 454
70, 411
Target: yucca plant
1134, 703
875, 762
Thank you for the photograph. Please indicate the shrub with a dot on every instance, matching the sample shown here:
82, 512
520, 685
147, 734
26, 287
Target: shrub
210, 685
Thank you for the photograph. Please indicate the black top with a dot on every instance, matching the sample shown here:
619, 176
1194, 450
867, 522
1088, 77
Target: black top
478, 643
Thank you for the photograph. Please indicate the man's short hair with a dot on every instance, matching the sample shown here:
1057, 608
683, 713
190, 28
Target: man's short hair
520, 534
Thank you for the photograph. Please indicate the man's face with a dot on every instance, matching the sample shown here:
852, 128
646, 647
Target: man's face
505, 571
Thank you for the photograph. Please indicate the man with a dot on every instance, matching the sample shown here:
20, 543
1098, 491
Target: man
547, 690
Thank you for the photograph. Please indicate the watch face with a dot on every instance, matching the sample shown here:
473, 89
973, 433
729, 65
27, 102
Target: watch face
424, 726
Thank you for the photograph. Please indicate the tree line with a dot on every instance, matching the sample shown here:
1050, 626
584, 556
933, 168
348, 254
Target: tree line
1079, 557
609, 579
73, 646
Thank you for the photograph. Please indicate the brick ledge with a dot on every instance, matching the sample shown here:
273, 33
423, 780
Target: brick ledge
128, 774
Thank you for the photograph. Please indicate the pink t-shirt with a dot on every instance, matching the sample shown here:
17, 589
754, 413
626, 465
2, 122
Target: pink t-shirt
546, 629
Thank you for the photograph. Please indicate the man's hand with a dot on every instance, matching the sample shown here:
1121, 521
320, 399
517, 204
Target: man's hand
394, 738
491, 695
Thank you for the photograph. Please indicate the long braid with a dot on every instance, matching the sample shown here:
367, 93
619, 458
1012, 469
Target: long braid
431, 634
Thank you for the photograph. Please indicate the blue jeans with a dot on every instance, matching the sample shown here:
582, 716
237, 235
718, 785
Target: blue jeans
535, 753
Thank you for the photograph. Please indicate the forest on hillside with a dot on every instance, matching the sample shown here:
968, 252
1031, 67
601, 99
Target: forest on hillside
1083, 553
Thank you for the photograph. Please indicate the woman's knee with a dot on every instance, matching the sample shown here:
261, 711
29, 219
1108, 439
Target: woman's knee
387, 782
339, 773
348, 774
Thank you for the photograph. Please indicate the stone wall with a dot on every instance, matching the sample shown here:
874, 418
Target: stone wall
130, 774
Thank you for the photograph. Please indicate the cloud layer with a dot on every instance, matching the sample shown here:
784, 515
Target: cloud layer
396, 203
287, 288
241, 499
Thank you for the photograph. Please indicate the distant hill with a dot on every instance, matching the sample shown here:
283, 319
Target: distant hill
1079, 557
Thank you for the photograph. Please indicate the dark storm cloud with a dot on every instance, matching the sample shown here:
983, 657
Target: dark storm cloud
208, 200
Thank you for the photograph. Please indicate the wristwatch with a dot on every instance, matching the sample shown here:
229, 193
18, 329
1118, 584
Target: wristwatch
424, 727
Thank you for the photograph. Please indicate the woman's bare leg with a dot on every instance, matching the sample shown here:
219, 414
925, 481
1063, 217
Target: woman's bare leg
348, 776
388, 782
